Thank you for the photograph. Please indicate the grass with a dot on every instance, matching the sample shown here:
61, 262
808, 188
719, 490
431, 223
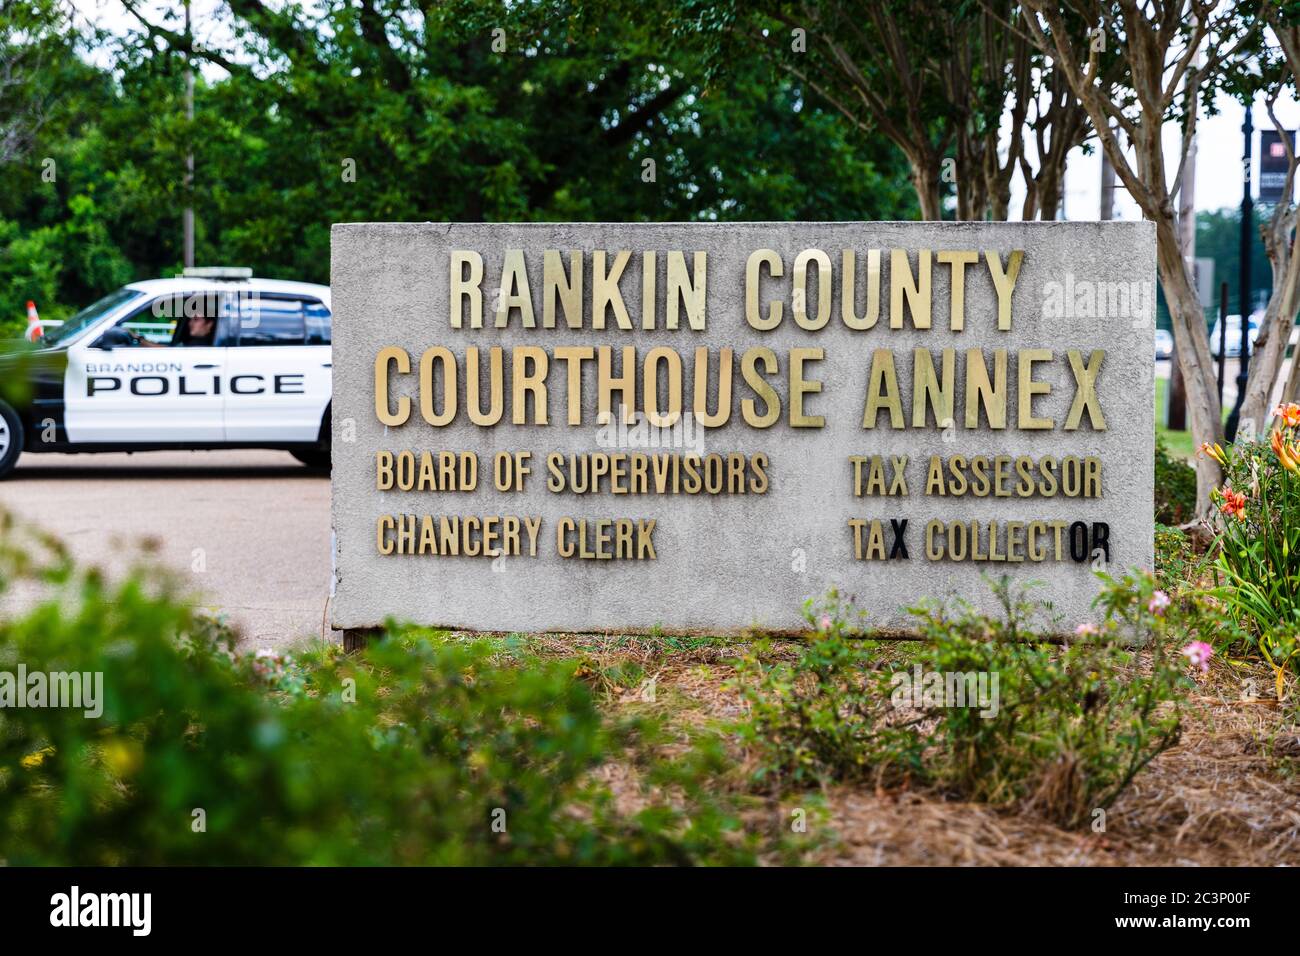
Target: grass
1179, 443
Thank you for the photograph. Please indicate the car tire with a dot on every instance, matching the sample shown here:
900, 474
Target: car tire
11, 439
318, 458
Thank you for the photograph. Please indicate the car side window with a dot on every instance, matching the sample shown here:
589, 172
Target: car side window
318, 323
174, 319
145, 326
264, 321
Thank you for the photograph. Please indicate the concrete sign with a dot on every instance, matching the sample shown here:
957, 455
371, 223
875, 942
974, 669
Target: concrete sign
610, 427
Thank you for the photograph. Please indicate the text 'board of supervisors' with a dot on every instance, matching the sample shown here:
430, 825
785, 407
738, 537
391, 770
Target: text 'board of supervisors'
696, 427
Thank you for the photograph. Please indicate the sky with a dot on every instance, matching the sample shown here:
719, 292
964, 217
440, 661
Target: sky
1219, 141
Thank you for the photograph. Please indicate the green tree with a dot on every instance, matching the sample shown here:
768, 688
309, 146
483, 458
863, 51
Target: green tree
392, 110
1218, 237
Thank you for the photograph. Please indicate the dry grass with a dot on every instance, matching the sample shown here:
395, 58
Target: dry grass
1227, 795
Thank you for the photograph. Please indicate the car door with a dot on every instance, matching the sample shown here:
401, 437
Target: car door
137, 395
278, 371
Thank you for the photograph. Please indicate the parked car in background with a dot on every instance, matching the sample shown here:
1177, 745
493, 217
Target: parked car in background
1164, 344
1232, 339
211, 359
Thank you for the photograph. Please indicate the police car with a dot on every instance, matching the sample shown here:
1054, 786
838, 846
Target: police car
211, 359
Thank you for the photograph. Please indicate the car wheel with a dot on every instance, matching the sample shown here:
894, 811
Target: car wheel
11, 439
319, 457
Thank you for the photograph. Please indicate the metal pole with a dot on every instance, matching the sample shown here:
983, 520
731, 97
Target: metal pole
1107, 188
1223, 336
1243, 290
187, 215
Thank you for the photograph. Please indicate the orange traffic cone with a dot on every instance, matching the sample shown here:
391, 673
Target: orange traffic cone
34, 330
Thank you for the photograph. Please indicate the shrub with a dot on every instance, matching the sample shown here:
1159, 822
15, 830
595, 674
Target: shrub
1175, 490
1074, 724
823, 717
1065, 730
421, 750
1176, 562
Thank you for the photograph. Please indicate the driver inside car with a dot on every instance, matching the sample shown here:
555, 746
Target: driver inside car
197, 331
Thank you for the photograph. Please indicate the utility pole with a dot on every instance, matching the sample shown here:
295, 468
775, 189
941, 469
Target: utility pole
1243, 291
1223, 335
1107, 188
187, 215
1177, 416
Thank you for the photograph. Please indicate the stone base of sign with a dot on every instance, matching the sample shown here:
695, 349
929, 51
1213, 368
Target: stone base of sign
356, 638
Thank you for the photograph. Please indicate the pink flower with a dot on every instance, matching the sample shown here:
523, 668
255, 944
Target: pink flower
1198, 654
1086, 630
1159, 601
826, 622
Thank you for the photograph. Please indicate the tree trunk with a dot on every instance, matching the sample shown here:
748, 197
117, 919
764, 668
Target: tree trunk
1283, 255
1029, 208
1275, 331
1000, 205
925, 180
1048, 194
1292, 388
1265, 362
1266, 359
1291, 392
1153, 37
1192, 343
997, 184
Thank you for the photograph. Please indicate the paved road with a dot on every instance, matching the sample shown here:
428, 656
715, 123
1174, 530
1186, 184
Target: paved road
249, 529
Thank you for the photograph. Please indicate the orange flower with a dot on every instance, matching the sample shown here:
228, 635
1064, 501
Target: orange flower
1214, 451
1286, 453
1233, 504
1289, 414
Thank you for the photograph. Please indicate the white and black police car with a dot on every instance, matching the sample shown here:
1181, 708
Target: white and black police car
211, 359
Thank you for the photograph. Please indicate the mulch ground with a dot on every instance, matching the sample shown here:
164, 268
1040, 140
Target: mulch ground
1227, 794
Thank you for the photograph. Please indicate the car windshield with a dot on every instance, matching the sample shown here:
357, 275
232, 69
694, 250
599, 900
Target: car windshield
88, 316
